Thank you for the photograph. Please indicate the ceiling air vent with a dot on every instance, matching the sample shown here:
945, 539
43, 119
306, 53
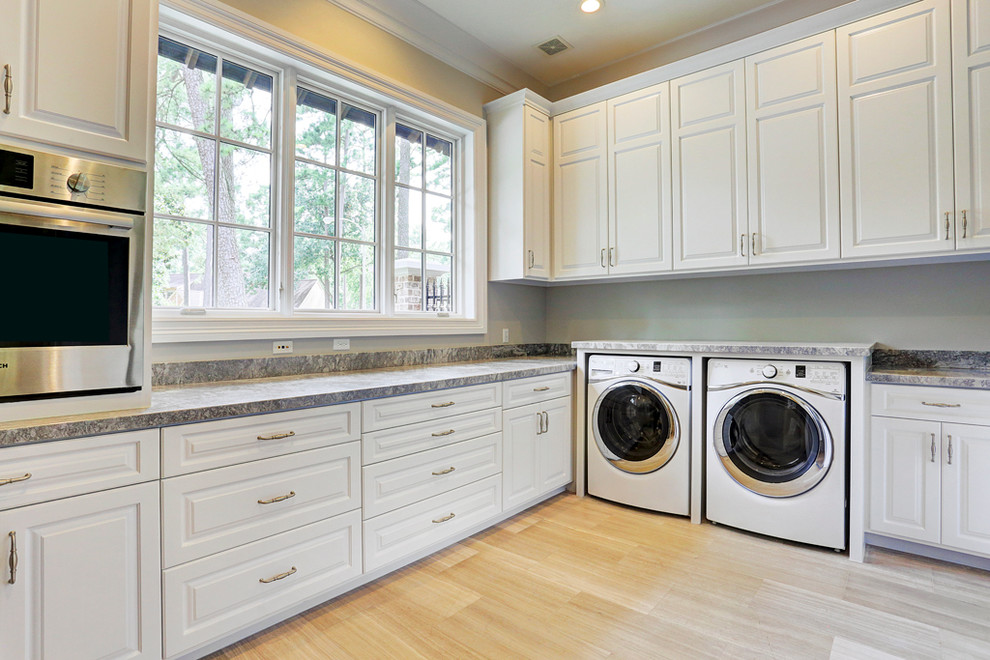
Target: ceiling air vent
554, 45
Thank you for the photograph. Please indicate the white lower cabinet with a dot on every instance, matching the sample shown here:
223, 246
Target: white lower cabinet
536, 446
210, 597
928, 476
85, 581
397, 534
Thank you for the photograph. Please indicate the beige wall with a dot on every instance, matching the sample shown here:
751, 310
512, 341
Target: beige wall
943, 306
344, 34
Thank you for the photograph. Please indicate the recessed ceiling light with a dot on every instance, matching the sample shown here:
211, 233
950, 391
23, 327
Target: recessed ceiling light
591, 6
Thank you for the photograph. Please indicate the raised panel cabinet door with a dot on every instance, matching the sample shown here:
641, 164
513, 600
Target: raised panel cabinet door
895, 132
905, 469
708, 151
580, 193
521, 472
536, 193
555, 445
79, 73
971, 105
965, 487
639, 182
792, 134
87, 583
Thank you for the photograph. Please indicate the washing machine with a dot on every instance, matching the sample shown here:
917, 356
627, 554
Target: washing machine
776, 450
638, 439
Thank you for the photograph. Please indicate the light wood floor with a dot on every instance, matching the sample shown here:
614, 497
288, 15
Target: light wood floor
582, 578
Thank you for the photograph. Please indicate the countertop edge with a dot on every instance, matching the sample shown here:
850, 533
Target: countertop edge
734, 348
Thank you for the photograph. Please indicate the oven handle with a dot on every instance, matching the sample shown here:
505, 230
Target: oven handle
65, 212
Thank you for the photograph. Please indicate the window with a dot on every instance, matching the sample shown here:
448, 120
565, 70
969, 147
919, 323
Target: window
424, 222
214, 152
279, 212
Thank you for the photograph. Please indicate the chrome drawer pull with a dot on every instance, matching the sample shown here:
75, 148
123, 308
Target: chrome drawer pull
443, 405
14, 480
280, 498
933, 447
12, 561
447, 471
277, 436
444, 519
442, 433
950, 450
280, 576
541, 389
942, 405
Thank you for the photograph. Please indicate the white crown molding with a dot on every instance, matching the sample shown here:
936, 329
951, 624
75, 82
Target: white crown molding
516, 98
436, 36
805, 27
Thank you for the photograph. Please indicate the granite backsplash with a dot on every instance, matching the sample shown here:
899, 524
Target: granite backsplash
210, 371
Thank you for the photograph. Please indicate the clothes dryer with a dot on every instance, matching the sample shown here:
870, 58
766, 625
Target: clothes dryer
776, 448
638, 439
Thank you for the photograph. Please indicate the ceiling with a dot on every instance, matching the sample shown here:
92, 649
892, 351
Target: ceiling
513, 28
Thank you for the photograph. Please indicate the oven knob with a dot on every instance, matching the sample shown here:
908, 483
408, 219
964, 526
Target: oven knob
632, 366
77, 183
769, 371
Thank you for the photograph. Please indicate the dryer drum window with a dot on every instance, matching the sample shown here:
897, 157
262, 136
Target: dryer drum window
635, 427
773, 443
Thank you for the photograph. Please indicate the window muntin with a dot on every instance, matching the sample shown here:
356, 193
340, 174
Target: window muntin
335, 208
213, 181
423, 260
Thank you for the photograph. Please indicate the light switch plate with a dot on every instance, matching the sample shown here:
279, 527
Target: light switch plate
341, 344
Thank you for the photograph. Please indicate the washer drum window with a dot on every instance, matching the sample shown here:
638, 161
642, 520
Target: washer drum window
635, 427
772, 442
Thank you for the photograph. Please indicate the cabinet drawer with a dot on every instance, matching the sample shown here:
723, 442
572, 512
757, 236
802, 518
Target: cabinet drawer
935, 403
211, 511
533, 390
392, 484
402, 532
403, 440
74, 467
195, 447
209, 598
396, 410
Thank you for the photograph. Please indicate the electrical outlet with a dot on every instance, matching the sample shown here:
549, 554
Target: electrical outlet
341, 344
280, 347
505, 335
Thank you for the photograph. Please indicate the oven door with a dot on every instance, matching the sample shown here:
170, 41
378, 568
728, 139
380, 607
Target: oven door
72, 302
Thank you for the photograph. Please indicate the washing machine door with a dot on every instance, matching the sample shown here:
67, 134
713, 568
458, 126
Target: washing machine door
635, 426
773, 442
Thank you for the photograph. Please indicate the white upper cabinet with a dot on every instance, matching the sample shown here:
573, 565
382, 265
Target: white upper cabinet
895, 132
519, 185
78, 73
708, 129
580, 193
792, 134
640, 227
971, 103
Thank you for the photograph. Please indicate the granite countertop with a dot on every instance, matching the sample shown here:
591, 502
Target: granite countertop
811, 349
978, 379
966, 369
207, 401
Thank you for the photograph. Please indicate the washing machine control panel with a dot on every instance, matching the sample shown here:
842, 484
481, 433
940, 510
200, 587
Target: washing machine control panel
672, 370
821, 376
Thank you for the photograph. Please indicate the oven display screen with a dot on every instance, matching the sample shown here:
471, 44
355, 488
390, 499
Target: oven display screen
62, 288
16, 170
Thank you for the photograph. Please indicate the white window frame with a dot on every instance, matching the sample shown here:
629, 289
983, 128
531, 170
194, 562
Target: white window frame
315, 68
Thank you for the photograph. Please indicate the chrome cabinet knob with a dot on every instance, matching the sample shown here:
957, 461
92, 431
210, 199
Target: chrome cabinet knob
78, 182
769, 371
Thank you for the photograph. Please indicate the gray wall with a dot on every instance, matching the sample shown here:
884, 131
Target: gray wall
935, 306
521, 309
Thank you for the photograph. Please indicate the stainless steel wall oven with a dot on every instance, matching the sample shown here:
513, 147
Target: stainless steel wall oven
71, 276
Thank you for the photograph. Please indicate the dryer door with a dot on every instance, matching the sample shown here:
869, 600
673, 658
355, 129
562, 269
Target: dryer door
635, 426
773, 442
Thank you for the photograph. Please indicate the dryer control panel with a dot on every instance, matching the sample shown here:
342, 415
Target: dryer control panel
667, 369
821, 376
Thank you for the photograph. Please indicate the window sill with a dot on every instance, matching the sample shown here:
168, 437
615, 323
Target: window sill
174, 328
